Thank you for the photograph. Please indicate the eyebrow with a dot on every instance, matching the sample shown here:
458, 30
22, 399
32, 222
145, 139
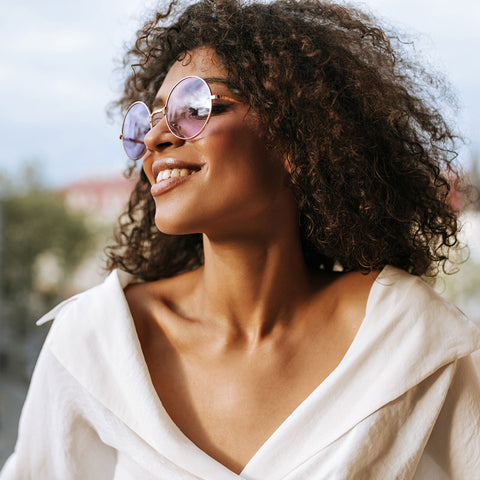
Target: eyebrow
160, 101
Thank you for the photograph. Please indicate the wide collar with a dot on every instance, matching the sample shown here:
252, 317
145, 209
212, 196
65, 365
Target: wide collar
407, 334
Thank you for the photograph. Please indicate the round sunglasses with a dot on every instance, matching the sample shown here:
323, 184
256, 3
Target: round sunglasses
187, 110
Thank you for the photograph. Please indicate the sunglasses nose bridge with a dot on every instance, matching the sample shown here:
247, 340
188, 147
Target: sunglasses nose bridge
157, 115
160, 135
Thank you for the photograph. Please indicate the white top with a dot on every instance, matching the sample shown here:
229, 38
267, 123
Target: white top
403, 403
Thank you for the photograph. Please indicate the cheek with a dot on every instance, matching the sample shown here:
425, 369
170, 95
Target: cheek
245, 179
236, 151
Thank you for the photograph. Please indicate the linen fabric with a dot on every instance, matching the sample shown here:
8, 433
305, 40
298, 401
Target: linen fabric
404, 403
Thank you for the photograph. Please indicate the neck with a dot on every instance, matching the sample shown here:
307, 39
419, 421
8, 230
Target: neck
251, 285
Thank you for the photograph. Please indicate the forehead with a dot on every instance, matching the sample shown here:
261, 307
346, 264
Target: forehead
201, 62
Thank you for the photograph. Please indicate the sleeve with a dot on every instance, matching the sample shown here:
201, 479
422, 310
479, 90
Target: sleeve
453, 450
56, 440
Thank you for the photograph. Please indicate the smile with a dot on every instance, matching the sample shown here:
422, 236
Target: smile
170, 178
172, 173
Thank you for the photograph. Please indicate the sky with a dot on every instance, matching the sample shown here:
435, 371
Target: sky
57, 76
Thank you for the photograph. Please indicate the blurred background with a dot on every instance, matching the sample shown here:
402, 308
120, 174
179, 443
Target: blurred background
61, 163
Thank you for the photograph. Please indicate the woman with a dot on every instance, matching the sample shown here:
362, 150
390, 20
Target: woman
267, 319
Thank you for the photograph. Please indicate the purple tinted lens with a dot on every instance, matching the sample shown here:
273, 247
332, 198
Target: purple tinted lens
135, 126
188, 107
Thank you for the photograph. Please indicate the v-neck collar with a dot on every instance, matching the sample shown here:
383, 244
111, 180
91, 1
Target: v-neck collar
398, 345
395, 348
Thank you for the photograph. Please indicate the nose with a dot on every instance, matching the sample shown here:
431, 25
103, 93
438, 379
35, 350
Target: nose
160, 137
157, 140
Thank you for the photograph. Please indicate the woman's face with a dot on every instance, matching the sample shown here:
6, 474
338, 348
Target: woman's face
237, 187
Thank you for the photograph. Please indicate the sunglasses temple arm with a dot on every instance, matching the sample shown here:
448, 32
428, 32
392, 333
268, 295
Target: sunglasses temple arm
225, 97
125, 139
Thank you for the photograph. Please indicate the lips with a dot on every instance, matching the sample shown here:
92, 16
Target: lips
171, 167
169, 173
173, 173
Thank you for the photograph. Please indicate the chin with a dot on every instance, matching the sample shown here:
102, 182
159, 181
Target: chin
171, 226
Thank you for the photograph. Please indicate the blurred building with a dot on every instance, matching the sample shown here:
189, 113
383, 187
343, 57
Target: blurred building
102, 199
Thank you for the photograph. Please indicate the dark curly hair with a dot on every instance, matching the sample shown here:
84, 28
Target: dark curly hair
371, 157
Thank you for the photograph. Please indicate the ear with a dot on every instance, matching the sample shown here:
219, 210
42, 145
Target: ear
288, 167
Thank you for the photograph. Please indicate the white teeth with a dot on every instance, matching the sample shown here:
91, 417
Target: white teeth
174, 172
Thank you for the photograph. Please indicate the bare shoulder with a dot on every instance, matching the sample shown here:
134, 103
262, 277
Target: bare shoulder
171, 290
356, 286
154, 304
354, 290
350, 292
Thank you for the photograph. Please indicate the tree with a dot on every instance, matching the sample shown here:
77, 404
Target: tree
36, 225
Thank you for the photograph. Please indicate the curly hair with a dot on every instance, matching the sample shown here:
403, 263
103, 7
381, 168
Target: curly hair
371, 157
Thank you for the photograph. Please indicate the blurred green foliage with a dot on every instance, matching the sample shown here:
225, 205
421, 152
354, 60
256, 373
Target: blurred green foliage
36, 224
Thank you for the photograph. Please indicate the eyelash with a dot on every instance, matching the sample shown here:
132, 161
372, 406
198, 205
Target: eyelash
219, 108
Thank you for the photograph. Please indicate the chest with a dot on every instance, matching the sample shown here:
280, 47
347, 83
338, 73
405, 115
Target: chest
230, 405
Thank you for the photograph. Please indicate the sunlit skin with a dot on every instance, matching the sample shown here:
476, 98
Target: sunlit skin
236, 345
